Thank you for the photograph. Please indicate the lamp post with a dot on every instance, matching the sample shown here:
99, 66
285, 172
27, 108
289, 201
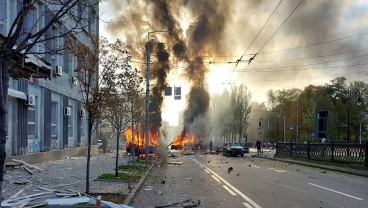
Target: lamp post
297, 120
147, 90
348, 131
360, 102
284, 130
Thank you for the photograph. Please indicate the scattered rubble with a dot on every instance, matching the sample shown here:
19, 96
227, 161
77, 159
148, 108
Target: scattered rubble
279, 171
186, 203
175, 163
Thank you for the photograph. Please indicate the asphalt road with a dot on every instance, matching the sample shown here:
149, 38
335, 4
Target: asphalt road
253, 182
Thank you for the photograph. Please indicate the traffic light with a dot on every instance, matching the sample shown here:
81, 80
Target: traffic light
261, 122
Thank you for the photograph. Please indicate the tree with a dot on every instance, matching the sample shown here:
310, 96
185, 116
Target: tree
28, 31
122, 92
90, 79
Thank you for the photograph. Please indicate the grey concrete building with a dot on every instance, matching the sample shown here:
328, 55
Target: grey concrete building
45, 112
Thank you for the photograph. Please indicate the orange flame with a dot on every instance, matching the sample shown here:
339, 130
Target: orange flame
139, 138
188, 139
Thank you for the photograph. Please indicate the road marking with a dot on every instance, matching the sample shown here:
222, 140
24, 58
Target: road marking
255, 166
201, 166
229, 190
233, 188
206, 171
247, 205
328, 189
214, 177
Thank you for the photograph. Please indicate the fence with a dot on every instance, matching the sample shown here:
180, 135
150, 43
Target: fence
333, 152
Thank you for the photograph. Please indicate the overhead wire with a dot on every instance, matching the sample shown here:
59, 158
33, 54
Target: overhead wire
298, 69
273, 34
311, 57
279, 27
315, 44
259, 32
325, 62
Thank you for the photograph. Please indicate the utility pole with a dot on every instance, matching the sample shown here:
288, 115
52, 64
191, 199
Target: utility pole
348, 131
284, 130
262, 132
147, 99
297, 120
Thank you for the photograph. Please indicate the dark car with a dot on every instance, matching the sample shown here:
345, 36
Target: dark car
233, 149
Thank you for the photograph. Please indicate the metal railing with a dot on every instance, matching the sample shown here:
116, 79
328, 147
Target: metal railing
332, 152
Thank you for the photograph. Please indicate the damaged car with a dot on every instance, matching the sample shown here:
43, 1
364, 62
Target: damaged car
233, 149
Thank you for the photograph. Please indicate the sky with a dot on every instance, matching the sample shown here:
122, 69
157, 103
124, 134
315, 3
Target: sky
297, 43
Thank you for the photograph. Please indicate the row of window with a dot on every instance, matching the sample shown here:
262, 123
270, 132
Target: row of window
55, 116
35, 20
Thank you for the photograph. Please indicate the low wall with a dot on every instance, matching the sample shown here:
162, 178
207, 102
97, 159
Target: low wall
53, 155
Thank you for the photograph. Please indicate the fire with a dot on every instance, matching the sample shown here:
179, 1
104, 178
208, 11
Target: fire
133, 135
180, 142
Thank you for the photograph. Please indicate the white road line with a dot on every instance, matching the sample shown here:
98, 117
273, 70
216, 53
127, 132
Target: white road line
328, 189
247, 205
201, 166
229, 190
214, 177
206, 171
255, 166
233, 188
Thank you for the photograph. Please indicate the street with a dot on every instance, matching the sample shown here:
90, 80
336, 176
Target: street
252, 182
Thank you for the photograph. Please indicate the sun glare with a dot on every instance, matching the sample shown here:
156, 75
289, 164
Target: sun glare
219, 78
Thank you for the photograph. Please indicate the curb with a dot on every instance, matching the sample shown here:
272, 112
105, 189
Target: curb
335, 169
138, 186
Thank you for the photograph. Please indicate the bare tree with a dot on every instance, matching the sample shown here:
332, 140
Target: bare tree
28, 39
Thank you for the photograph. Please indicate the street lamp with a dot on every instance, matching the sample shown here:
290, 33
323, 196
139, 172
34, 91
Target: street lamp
360, 102
147, 90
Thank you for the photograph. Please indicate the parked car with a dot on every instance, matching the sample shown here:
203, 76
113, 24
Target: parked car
233, 149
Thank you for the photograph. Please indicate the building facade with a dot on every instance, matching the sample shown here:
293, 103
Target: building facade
47, 114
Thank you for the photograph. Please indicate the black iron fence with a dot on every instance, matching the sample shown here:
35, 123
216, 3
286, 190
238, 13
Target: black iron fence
332, 152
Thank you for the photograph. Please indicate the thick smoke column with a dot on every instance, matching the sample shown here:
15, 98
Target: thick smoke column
159, 73
205, 35
202, 38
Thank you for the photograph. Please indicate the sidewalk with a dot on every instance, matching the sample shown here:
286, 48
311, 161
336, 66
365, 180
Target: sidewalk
69, 173
338, 167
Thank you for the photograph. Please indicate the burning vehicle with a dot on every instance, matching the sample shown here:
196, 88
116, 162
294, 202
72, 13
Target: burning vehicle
188, 142
136, 140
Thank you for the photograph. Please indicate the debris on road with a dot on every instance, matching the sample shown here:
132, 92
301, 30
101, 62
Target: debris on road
230, 169
279, 171
28, 170
324, 171
238, 174
29, 165
175, 163
186, 203
22, 182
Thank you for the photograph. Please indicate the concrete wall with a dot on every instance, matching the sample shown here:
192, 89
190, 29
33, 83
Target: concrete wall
53, 155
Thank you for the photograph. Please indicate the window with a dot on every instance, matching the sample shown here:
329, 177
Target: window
31, 20
32, 133
54, 120
70, 123
2, 14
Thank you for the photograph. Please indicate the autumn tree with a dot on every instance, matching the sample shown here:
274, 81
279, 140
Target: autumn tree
121, 92
90, 80
29, 36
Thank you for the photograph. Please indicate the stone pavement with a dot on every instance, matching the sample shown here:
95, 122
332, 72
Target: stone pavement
69, 173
